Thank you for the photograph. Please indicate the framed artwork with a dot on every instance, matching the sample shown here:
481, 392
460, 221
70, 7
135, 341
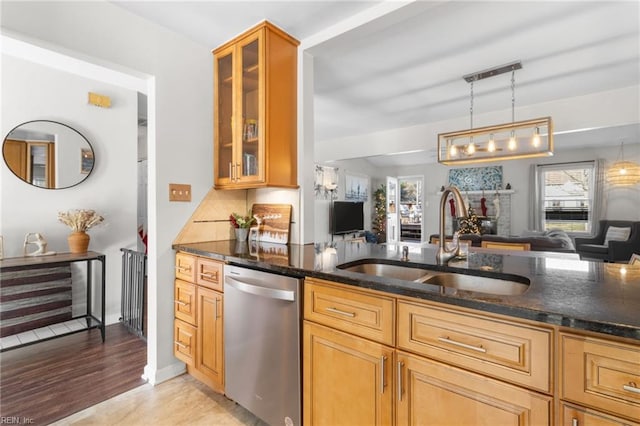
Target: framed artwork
325, 182
356, 187
635, 259
476, 178
86, 161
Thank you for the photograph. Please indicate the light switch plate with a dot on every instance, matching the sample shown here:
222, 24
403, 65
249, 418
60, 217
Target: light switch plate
179, 192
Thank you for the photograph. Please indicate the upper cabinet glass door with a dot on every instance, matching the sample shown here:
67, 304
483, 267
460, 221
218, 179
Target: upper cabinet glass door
255, 110
252, 117
224, 129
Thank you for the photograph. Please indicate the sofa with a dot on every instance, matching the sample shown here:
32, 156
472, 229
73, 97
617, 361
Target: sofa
552, 240
614, 241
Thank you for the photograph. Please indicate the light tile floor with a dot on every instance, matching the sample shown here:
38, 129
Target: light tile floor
179, 401
43, 333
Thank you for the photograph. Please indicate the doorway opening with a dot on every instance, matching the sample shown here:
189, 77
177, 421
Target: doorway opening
410, 208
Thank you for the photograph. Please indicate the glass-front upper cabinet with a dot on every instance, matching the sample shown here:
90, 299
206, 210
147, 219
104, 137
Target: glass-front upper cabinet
252, 116
224, 116
255, 73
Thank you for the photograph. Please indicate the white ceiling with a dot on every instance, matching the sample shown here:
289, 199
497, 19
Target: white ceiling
374, 71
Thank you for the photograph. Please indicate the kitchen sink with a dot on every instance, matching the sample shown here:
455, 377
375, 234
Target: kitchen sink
390, 271
465, 282
477, 284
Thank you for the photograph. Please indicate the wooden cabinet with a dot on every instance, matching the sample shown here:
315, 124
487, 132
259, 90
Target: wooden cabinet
255, 102
448, 367
209, 356
186, 267
185, 344
184, 299
198, 335
361, 313
434, 393
209, 274
506, 350
347, 379
572, 415
600, 376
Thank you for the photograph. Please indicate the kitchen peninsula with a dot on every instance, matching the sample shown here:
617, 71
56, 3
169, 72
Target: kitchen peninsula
591, 296
566, 348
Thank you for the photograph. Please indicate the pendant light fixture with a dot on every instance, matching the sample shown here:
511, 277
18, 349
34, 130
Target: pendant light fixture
518, 139
623, 173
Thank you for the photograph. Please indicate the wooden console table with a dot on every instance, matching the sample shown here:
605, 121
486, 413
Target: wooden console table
19, 268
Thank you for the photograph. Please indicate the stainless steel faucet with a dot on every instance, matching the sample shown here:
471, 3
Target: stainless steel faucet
444, 255
405, 254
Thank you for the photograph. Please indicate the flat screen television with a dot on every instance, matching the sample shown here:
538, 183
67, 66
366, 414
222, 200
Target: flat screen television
347, 216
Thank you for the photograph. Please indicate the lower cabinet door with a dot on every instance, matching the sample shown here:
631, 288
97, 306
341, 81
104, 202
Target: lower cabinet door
433, 393
210, 353
347, 379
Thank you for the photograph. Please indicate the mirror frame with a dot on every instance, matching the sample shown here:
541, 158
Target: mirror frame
86, 175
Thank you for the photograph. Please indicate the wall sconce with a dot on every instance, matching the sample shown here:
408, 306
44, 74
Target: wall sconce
623, 173
521, 139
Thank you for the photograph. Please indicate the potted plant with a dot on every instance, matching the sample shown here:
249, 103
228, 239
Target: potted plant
80, 221
241, 224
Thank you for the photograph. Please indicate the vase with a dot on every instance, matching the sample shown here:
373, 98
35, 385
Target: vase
241, 234
78, 242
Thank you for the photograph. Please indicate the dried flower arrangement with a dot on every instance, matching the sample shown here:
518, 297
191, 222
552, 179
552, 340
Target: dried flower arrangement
238, 221
80, 220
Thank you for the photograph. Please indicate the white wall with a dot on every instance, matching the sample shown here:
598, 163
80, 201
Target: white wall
180, 126
621, 203
32, 91
322, 207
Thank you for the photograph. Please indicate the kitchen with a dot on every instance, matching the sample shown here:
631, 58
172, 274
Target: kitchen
188, 163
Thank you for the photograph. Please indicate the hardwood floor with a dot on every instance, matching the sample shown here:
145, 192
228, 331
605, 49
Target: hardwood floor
50, 380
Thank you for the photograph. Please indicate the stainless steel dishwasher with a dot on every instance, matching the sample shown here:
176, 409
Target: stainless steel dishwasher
262, 344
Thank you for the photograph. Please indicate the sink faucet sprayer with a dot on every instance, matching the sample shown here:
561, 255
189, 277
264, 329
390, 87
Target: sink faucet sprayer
443, 254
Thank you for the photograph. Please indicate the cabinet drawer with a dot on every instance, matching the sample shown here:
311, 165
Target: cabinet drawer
184, 301
580, 416
186, 267
517, 353
209, 273
601, 374
354, 311
184, 342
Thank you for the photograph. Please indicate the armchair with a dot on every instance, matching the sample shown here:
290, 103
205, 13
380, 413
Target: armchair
613, 251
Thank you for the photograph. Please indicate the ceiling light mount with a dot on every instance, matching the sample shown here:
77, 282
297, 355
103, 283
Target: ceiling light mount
491, 72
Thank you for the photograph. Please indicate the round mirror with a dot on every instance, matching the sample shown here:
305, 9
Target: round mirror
48, 154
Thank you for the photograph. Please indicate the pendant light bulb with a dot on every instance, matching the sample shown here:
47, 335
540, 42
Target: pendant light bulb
453, 150
536, 138
512, 142
471, 148
491, 146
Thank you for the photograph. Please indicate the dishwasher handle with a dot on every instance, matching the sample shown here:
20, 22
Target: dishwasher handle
257, 290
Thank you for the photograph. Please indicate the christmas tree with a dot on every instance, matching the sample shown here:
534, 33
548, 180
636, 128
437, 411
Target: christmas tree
470, 224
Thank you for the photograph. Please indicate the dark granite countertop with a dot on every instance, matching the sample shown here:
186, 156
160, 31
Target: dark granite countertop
564, 291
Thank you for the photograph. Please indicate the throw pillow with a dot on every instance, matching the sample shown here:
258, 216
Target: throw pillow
615, 233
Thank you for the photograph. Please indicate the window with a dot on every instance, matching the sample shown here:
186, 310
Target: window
566, 196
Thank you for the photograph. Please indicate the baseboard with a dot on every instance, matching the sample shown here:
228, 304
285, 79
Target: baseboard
155, 377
